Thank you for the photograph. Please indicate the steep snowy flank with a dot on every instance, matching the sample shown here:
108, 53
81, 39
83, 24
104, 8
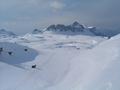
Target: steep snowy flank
15, 54
96, 69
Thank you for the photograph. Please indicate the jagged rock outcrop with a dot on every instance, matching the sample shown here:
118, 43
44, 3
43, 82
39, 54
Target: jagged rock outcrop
75, 27
37, 31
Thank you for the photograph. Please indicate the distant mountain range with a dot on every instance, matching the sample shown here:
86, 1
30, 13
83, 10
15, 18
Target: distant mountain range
73, 29
77, 28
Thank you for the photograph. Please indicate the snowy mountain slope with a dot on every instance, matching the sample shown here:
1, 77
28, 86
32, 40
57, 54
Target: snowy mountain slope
93, 70
14, 78
63, 63
18, 53
25, 75
5, 34
49, 40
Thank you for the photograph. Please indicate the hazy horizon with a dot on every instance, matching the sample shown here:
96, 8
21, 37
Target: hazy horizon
22, 16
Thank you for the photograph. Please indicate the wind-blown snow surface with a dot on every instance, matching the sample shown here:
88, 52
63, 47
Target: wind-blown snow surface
63, 63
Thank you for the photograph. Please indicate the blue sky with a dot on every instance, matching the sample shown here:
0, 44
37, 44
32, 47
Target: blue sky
23, 16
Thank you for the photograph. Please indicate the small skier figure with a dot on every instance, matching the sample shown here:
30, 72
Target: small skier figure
1, 49
10, 53
26, 49
109, 37
34, 66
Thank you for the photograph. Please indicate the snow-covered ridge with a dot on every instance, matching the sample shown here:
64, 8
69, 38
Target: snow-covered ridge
96, 69
5, 34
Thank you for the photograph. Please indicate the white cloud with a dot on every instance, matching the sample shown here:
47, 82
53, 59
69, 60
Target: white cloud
109, 86
56, 5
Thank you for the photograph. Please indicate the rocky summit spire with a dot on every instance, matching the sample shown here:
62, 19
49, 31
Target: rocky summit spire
77, 25
37, 31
